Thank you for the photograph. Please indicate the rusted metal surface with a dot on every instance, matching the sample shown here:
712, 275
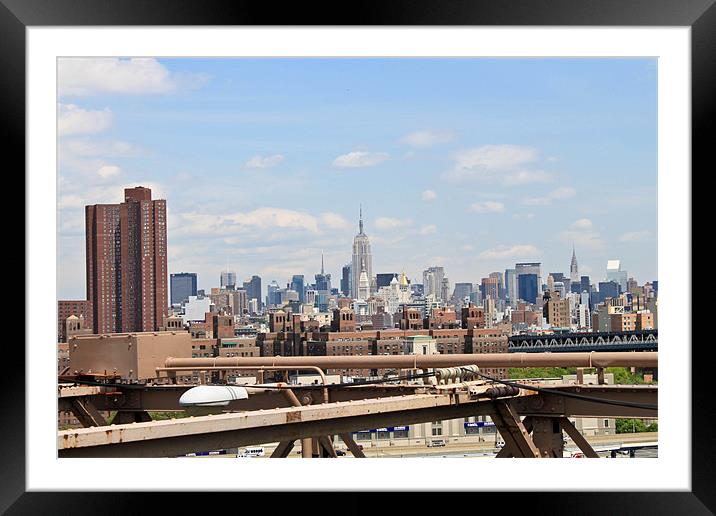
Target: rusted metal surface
488, 360
166, 398
553, 404
578, 438
304, 421
326, 447
86, 413
546, 434
516, 436
260, 370
282, 450
179, 436
352, 446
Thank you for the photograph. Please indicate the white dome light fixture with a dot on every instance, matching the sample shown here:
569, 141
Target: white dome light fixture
212, 396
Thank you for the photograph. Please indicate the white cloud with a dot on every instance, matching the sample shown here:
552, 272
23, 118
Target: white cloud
537, 201
487, 207
335, 221
429, 229
72, 119
505, 163
141, 75
275, 217
106, 171
635, 236
428, 195
582, 234
360, 159
504, 252
563, 192
528, 216
262, 219
391, 223
523, 177
264, 162
107, 148
427, 138
581, 224
70, 201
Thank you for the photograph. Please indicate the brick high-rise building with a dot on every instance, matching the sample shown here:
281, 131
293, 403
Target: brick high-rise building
127, 263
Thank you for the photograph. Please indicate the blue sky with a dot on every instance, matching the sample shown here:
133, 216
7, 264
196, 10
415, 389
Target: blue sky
473, 164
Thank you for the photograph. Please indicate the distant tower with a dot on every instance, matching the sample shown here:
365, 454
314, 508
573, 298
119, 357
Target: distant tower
362, 258
363, 283
573, 270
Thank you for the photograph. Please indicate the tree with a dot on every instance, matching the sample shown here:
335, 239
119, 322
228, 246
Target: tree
627, 426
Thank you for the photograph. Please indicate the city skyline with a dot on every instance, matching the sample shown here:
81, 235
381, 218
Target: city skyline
444, 180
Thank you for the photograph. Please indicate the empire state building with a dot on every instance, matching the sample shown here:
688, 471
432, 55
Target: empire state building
362, 259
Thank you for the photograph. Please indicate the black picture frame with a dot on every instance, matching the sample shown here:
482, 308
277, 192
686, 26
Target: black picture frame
699, 15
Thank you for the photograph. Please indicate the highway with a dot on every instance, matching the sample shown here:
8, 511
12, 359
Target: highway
486, 449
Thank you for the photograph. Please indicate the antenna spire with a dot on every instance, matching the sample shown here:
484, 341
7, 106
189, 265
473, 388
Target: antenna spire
360, 223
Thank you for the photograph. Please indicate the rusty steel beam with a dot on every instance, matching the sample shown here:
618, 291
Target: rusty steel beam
282, 450
166, 398
352, 446
86, 413
513, 431
546, 404
578, 438
326, 446
181, 436
547, 436
488, 360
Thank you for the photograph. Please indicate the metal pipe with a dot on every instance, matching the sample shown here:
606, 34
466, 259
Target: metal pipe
306, 442
485, 360
320, 372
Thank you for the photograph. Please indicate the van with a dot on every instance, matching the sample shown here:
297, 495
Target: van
436, 443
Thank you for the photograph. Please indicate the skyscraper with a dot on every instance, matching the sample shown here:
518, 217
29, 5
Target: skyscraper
511, 286
346, 280
273, 295
228, 279
616, 274
362, 257
527, 287
383, 279
573, 269
298, 284
126, 253
433, 281
323, 280
183, 285
253, 290
363, 283
528, 268
461, 292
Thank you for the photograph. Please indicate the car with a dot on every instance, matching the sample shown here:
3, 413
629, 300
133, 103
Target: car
340, 453
436, 442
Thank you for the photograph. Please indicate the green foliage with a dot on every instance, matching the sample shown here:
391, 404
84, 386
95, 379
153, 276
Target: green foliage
627, 426
540, 372
622, 376
160, 416
654, 427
